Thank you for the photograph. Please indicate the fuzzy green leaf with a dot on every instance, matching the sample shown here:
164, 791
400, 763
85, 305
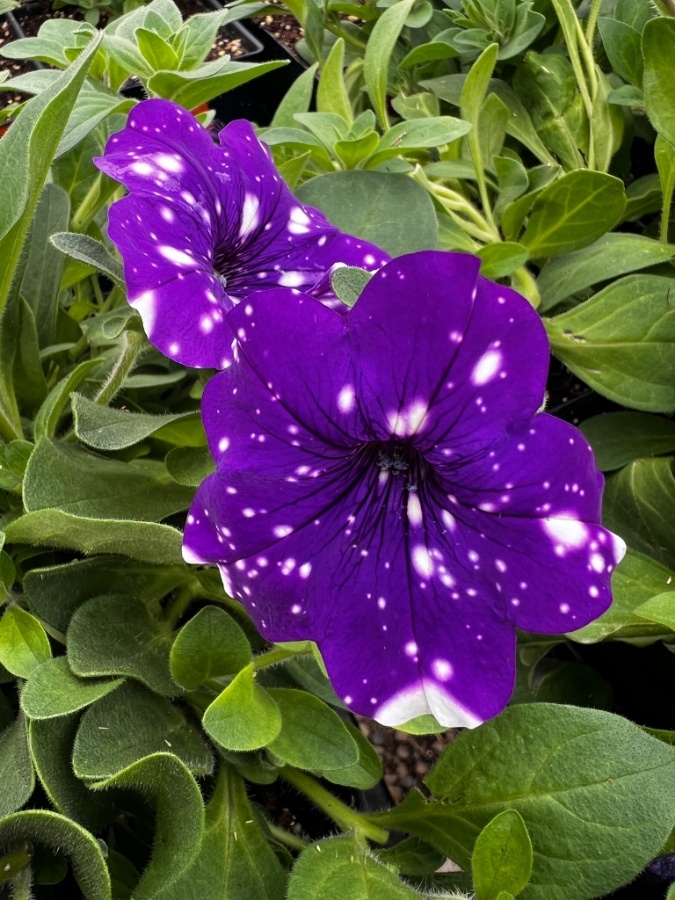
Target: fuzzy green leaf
244, 716
210, 645
53, 690
130, 724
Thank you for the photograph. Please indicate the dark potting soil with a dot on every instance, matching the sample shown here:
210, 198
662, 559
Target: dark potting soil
228, 40
284, 29
13, 66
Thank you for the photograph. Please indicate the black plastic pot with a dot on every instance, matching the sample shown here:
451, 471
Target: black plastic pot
258, 99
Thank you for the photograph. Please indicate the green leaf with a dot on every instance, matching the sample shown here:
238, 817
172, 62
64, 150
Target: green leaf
49, 414
639, 504
500, 260
348, 283
607, 258
64, 477
53, 690
658, 47
116, 635
243, 716
620, 438
41, 280
502, 857
331, 94
296, 100
622, 45
190, 88
644, 196
417, 134
580, 778
411, 856
312, 736
90, 251
210, 645
189, 466
376, 207
179, 818
363, 774
23, 642
664, 154
636, 580
659, 609
62, 836
326, 127
156, 51
16, 769
51, 748
474, 91
95, 103
26, 153
235, 859
622, 342
107, 428
428, 52
342, 867
200, 32
546, 85
573, 212
130, 724
378, 53
54, 593
560, 681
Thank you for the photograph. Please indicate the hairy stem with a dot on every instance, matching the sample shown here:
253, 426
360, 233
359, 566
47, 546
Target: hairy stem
345, 817
132, 344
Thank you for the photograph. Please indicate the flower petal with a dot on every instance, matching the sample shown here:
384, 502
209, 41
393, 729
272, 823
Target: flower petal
168, 270
165, 152
528, 522
484, 350
318, 546
335, 561
301, 349
231, 203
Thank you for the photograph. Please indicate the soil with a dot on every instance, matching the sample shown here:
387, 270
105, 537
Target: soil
406, 758
284, 29
14, 67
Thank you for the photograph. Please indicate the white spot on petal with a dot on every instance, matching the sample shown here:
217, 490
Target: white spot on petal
178, 257
566, 532
414, 509
442, 669
487, 367
145, 305
422, 561
346, 399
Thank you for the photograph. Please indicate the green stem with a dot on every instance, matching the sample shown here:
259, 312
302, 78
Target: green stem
90, 205
573, 33
665, 7
285, 837
344, 816
273, 657
131, 347
592, 21
179, 604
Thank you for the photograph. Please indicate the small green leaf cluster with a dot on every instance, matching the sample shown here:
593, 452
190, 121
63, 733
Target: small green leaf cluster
479, 23
150, 42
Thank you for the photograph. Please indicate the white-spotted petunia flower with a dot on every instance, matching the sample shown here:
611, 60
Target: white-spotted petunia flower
205, 224
386, 487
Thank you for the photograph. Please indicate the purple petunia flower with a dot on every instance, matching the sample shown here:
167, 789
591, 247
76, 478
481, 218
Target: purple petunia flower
386, 487
205, 224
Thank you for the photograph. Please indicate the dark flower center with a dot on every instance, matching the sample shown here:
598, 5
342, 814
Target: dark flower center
400, 459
